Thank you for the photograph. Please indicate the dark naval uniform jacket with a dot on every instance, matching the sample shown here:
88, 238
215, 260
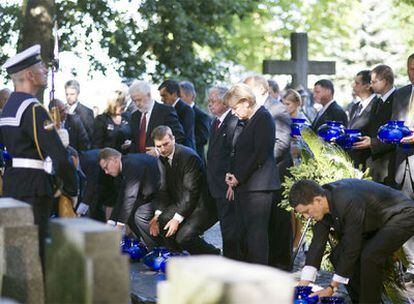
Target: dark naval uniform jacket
19, 132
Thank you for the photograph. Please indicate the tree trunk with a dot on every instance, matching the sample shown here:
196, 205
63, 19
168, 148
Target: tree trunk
38, 28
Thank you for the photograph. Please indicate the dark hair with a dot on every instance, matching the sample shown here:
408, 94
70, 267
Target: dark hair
304, 191
327, 84
160, 132
171, 86
384, 72
366, 78
273, 84
188, 88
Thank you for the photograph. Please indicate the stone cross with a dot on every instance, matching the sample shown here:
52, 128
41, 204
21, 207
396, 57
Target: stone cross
299, 67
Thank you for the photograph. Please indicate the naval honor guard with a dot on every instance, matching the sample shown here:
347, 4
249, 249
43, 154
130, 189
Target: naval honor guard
28, 132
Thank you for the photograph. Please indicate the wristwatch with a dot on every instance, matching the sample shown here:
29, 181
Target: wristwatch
334, 289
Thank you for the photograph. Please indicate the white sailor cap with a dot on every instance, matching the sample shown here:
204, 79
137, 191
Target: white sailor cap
23, 59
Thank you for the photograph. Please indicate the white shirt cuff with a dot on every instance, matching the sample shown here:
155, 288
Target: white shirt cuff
111, 222
178, 217
338, 278
308, 273
157, 212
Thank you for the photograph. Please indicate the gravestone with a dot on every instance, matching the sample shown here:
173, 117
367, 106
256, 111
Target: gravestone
21, 276
299, 67
84, 263
214, 279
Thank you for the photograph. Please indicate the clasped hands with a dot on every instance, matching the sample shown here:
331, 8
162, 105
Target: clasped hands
171, 226
326, 292
231, 182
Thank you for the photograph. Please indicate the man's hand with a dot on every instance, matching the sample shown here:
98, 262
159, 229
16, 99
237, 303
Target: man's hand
154, 226
152, 151
172, 227
231, 180
230, 194
364, 143
326, 292
408, 139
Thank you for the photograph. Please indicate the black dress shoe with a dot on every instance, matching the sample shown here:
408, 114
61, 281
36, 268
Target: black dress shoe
408, 277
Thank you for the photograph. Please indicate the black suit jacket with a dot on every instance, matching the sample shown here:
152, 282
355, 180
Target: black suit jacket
333, 113
140, 183
218, 156
108, 134
184, 189
381, 167
78, 136
282, 144
358, 209
403, 155
161, 115
360, 122
201, 131
87, 118
254, 164
186, 117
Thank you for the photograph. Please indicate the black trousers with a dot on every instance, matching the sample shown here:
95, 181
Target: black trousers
139, 224
365, 285
280, 236
227, 216
188, 236
253, 214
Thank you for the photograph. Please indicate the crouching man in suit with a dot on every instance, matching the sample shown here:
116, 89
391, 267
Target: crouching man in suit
185, 210
370, 220
139, 184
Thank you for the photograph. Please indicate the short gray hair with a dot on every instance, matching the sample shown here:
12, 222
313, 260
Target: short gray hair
139, 86
220, 90
188, 88
73, 84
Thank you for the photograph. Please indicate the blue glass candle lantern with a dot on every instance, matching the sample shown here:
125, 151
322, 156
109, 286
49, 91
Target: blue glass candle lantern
393, 131
137, 250
350, 137
297, 125
302, 295
332, 300
154, 259
126, 243
332, 130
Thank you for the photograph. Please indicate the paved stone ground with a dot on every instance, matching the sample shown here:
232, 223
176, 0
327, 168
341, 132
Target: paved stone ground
144, 282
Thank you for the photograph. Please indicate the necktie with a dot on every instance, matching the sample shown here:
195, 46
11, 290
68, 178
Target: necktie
216, 125
410, 114
142, 133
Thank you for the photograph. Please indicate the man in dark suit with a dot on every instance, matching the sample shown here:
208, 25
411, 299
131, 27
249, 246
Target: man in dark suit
72, 90
360, 113
140, 182
381, 167
218, 164
150, 114
170, 95
370, 220
323, 93
403, 109
78, 137
280, 226
202, 120
185, 209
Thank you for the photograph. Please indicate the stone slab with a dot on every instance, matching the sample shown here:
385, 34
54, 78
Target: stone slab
15, 213
214, 279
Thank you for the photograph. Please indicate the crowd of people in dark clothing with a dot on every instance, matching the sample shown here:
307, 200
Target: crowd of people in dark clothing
167, 171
